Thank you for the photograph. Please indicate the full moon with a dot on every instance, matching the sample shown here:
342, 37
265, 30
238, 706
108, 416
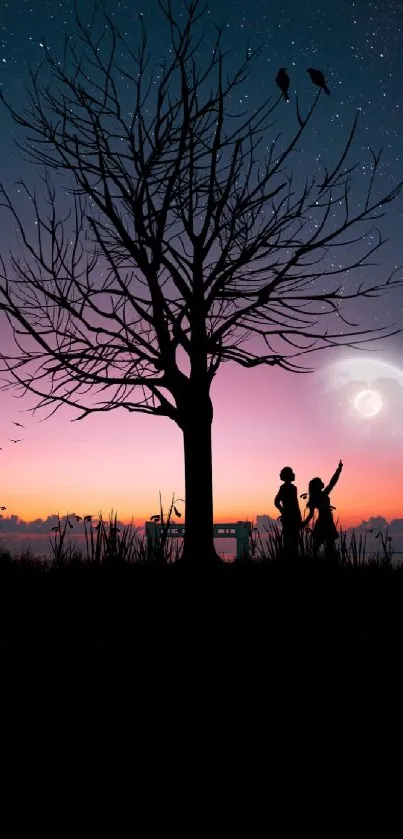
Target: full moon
368, 403
362, 396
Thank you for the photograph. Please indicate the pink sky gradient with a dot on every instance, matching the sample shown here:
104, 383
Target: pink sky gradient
263, 419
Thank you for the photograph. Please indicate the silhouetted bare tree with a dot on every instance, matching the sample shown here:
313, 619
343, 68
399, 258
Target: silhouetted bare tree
174, 231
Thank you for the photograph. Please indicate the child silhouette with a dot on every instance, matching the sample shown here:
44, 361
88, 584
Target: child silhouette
324, 531
286, 501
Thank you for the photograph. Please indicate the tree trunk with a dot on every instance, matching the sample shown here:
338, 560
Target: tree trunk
198, 543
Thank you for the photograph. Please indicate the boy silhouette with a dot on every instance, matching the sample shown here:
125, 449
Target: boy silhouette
286, 501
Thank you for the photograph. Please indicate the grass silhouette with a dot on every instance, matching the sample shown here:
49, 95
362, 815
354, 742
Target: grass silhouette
107, 544
111, 612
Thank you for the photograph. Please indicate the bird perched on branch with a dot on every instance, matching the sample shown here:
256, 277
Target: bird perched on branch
283, 81
318, 78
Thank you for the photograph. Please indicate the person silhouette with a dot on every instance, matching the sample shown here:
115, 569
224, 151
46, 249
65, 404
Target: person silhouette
324, 530
286, 501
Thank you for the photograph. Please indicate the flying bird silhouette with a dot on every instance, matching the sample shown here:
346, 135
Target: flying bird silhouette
15, 441
19, 424
318, 78
283, 81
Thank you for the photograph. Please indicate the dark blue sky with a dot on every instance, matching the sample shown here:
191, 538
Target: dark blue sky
359, 46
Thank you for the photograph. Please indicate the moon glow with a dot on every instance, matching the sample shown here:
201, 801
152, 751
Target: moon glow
368, 403
363, 398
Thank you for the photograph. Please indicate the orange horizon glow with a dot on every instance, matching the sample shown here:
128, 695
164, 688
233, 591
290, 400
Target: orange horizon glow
344, 517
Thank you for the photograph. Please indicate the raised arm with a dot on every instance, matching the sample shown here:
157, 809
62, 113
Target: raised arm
333, 479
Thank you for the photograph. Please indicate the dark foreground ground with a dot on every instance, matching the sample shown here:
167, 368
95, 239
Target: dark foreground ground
246, 627
249, 671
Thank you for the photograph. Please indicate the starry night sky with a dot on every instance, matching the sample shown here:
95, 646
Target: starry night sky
359, 47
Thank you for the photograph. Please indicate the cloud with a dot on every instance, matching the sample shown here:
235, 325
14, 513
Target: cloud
396, 526
376, 524
379, 525
17, 534
264, 521
13, 524
373, 522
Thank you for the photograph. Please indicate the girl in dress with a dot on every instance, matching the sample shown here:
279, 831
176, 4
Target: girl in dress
324, 531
